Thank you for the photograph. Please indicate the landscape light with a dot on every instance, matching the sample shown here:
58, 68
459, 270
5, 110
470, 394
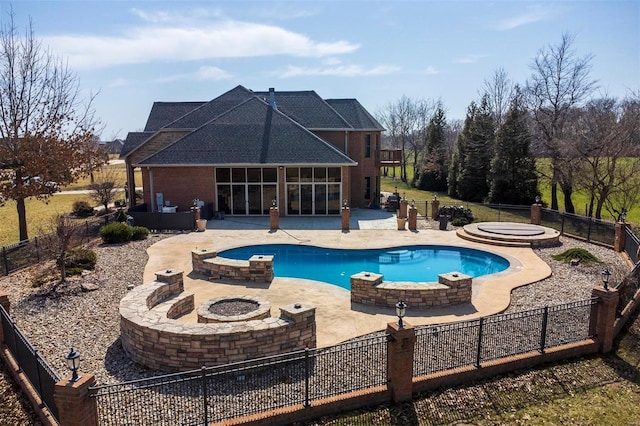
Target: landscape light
605, 278
401, 310
73, 362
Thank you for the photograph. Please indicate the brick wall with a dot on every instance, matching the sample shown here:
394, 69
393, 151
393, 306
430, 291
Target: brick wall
180, 185
154, 340
451, 289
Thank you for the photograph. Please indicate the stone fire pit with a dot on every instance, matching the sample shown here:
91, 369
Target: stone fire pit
233, 309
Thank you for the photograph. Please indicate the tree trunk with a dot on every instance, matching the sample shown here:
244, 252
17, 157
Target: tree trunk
554, 196
22, 219
568, 204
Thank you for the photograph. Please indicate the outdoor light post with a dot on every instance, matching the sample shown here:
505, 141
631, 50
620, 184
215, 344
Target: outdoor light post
538, 199
274, 203
605, 278
73, 362
401, 310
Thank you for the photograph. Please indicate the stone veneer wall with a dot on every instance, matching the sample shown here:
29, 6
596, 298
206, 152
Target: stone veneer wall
451, 289
257, 268
152, 338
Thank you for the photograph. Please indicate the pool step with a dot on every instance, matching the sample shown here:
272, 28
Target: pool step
397, 256
494, 241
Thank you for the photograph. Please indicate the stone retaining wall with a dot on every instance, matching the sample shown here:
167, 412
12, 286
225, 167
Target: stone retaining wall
257, 268
154, 340
451, 289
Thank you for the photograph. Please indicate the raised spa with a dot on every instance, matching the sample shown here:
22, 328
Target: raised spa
416, 263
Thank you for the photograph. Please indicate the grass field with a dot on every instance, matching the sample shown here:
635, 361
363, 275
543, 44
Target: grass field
39, 215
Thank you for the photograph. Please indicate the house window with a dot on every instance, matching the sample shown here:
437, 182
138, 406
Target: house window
377, 146
367, 146
242, 191
313, 191
367, 188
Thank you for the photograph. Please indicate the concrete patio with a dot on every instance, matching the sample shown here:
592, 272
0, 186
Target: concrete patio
337, 318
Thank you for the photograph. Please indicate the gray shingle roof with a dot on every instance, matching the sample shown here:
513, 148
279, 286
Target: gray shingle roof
133, 140
211, 109
250, 133
308, 109
163, 113
355, 114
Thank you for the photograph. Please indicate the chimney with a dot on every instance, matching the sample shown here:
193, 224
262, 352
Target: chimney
272, 98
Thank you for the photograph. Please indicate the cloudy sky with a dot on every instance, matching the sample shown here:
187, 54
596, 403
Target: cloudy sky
135, 53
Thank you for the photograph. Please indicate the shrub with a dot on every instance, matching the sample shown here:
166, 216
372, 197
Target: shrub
459, 221
121, 216
82, 209
576, 253
116, 232
139, 233
70, 272
81, 258
454, 212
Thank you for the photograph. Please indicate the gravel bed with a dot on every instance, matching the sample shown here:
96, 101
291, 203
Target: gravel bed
233, 307
89, 320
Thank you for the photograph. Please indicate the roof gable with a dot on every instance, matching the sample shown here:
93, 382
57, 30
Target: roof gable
355, 114
163, 113
250, 133
308, 109
211, 109
133, 140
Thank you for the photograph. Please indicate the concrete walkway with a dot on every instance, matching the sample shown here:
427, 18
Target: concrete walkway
337, 318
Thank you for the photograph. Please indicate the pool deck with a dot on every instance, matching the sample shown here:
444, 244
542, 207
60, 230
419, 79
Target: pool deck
336, 317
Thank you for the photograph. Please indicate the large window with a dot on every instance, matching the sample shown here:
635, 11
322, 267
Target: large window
243, 191
313, 190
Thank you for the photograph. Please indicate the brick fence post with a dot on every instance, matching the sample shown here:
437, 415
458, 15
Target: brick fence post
435, 208
620, 234
4, 301
75, 406
603, 316
400, 349
346, 215
536, 213
413, 219
402, 214
274, 219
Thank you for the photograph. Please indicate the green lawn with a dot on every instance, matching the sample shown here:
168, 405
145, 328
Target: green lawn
39, 215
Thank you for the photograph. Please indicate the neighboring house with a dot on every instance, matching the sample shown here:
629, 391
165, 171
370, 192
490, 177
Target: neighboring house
112, 147
244, 149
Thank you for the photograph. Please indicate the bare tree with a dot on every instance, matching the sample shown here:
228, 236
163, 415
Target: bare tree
499, 90
64, 231
45, 128
406, 119
560, 82
104, 187
605, 134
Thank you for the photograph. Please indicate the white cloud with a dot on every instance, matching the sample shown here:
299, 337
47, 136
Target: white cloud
470, 59
204, 73
331, 61
430, 70
531, 16
340, 71
165, 43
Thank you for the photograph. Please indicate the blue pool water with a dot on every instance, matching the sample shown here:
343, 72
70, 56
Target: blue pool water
419, 263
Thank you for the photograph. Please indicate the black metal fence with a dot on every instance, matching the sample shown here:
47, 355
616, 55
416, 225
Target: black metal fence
35, 250
42, 377
218, 393
445, 346
586, 228
631, 245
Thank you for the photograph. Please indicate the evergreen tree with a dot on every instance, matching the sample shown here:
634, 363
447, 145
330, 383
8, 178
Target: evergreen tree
473, 182
434, 171
513, 178
459, 155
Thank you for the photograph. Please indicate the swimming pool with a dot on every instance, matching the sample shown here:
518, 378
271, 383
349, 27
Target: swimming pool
417, 263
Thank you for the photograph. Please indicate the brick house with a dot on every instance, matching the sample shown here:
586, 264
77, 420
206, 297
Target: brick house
244, 149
